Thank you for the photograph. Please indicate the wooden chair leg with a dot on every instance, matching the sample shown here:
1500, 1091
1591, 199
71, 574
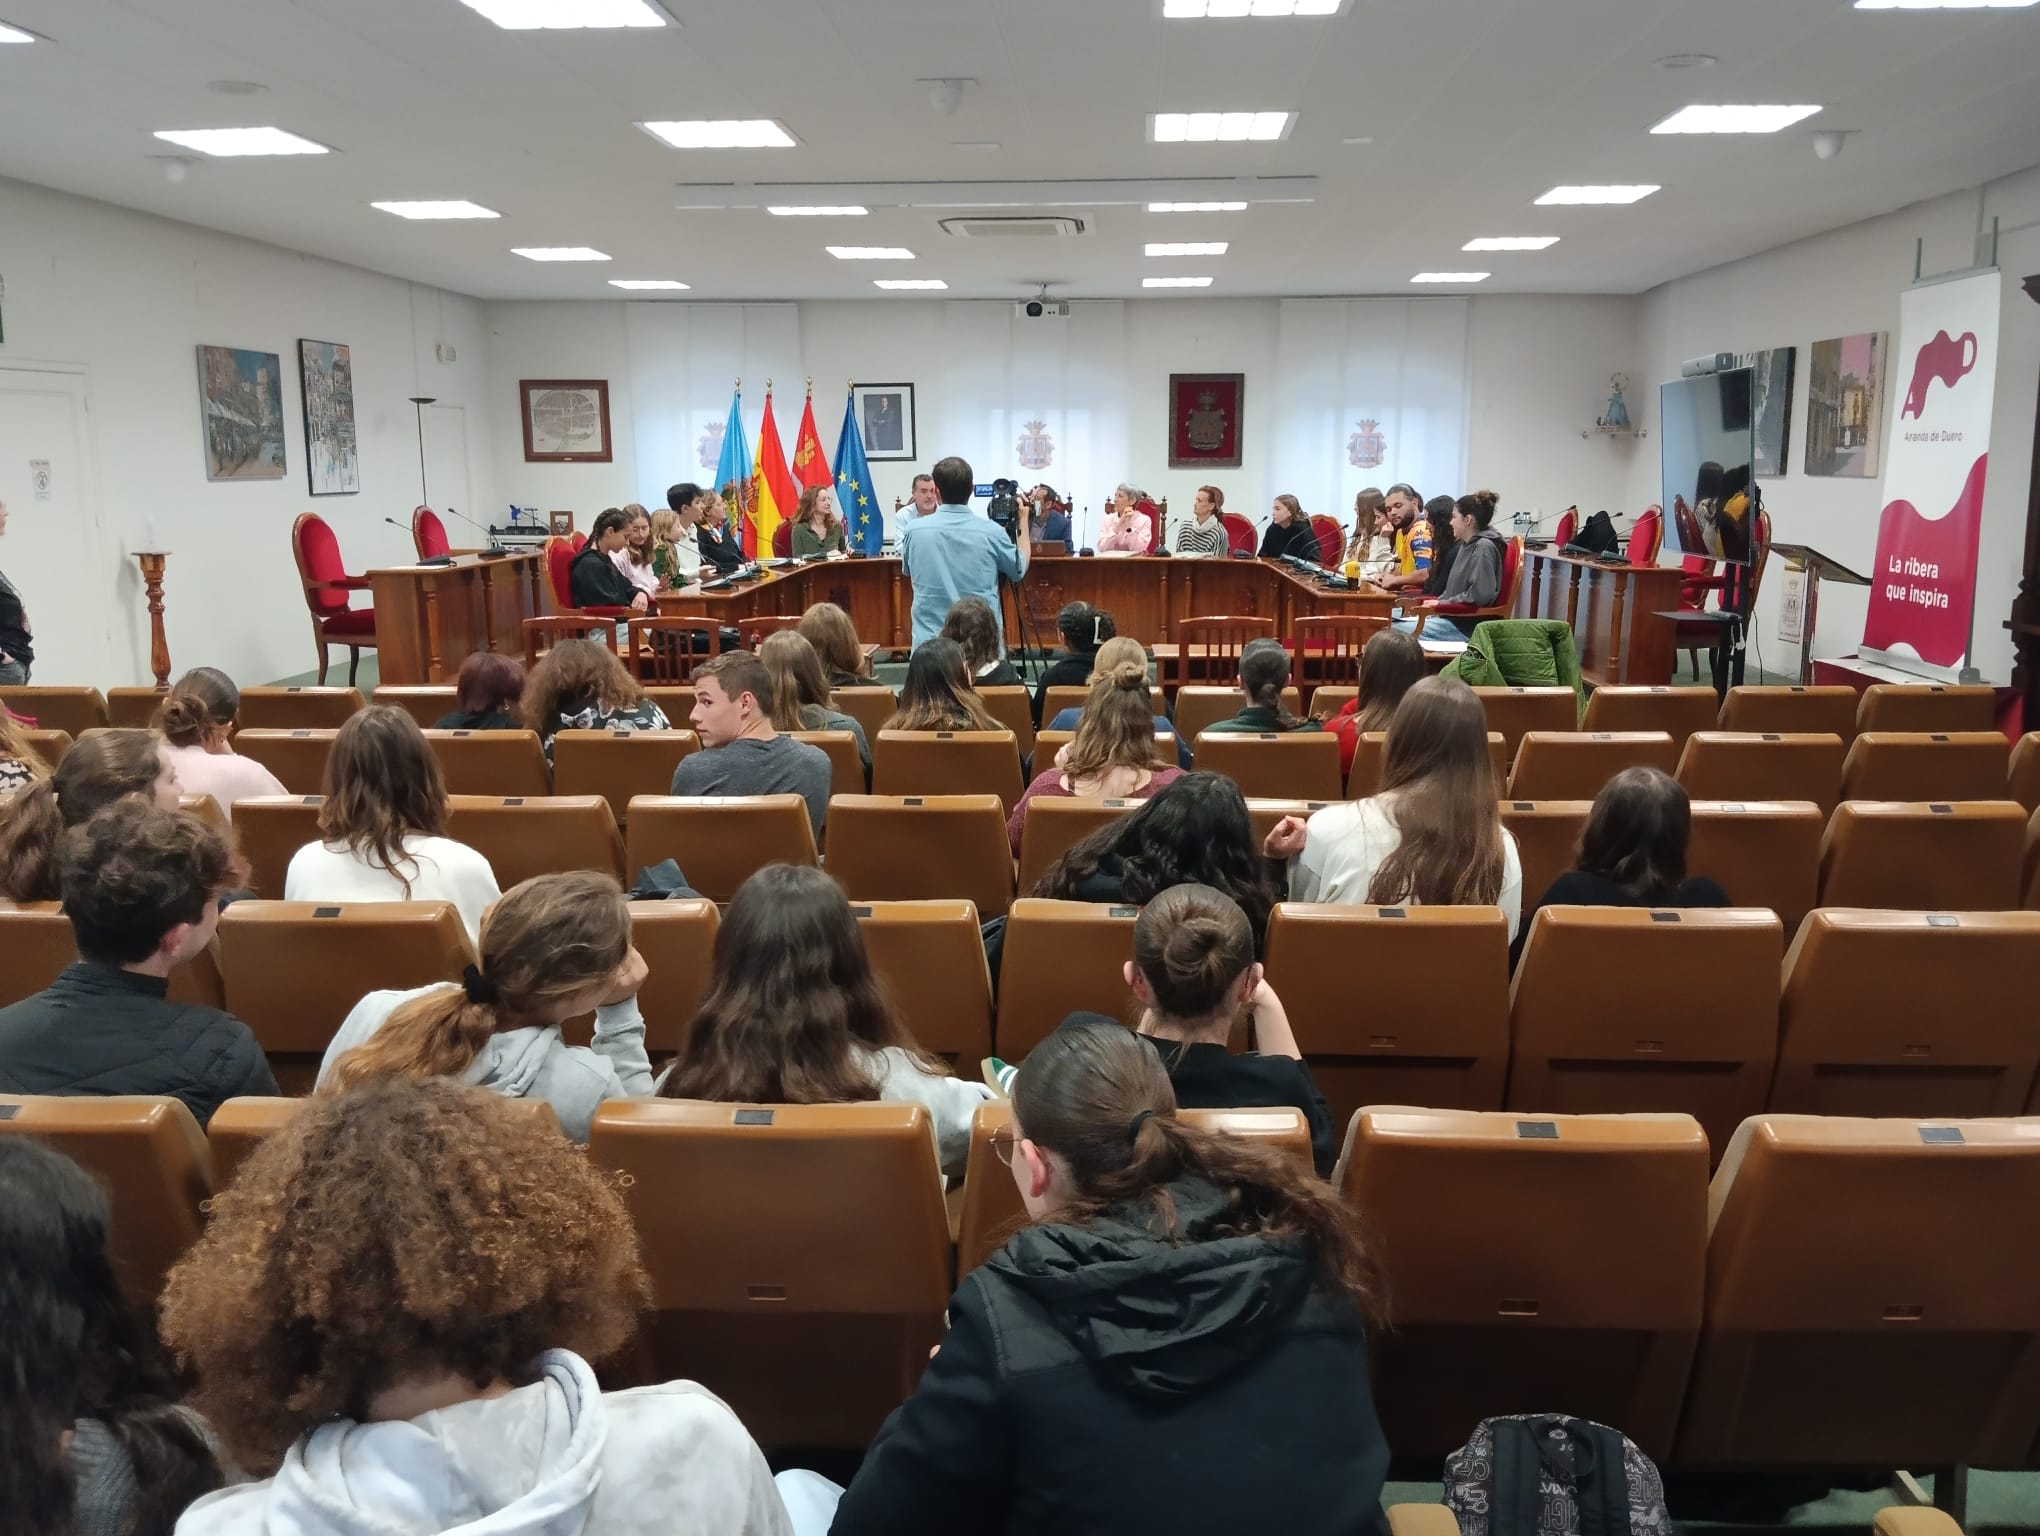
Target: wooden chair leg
353, 664
319, 639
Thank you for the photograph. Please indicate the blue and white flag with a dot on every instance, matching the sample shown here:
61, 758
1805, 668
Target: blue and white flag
863, 517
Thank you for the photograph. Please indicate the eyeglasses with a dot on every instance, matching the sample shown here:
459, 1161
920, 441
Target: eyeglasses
1003, 1143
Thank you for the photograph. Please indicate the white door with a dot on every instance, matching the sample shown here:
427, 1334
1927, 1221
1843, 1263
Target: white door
446, 472
55, 551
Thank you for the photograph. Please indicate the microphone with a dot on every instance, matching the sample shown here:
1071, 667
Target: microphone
495, 549
434, 560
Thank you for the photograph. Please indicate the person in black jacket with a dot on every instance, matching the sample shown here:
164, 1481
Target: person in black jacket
17, 641
1290, 533
1083, 629
1178, 1292
486, 694
141, 886
593, 579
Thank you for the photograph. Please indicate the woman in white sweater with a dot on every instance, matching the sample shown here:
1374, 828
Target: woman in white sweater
794, 1015
383, 826
1432, 835
552, 949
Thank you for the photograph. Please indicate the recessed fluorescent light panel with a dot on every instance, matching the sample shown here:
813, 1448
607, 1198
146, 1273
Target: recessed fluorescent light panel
14, 34
819, 213
1217, 10
1218, 127
222, 142
1450, 277
870, 252
645, 284
1511, 243
1197, 207
566, 15
908, 282
722, 133
1698, 119
1175, 282
557, 253
1596, 195
1187, 247
1944, 5
456, 209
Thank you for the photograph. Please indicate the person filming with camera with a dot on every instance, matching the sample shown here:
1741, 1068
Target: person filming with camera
953, 553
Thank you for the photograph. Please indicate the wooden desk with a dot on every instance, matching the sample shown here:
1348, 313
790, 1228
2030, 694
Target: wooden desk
1613, 613
872, 591
431, 618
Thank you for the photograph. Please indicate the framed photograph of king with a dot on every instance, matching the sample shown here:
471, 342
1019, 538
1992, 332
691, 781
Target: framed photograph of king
1206, 420
885, 418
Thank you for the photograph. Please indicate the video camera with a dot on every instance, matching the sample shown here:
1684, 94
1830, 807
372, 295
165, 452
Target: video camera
1004, 507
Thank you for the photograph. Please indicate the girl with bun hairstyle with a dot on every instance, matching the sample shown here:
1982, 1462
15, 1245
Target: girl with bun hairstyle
1476, 570
1117, 652
103, 767
1113, 755
197, 722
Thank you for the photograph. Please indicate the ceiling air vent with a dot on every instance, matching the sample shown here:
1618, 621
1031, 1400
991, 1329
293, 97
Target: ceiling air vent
1022, 226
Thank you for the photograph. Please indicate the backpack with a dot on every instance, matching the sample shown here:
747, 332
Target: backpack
1551, 1475
1596, 536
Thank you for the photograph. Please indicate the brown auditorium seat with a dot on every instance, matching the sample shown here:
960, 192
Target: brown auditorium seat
992, 1211
947, 763
1266, 814
2030, 881
1764, 853
491, 762
74, 711
207, 810
1328, 699
1763, 765
1923, 856
1870, 1297
522, 835
1573, 765
1370, 751
677, 940
1617, 1009
1072, 695
1927, 765
1532, 1264
269, 830
1926, 707
290, 709
618, 765
239, 1126
675, 701
297, 758
1792, 710
2024, 782
1547, 834
1293, 765
152, 1158
50, 746
1198, 707
1396, 1005
1678, 712
133, 709
1061, 957
719, 841
1012, 705
921, 848
799, 1255
1056, 825
931, 957
294, 969
1516, 712
426, 703
870, 707
846, 763
36, 943
1909, 1014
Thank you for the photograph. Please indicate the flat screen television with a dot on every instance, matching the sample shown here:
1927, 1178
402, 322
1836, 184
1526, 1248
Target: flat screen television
1708, 442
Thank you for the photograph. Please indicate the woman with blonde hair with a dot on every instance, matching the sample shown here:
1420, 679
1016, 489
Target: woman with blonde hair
101, 768
1431, 836
1371, 543
829, 630
1113, 754
197, 722
937, 695
800, 693
1119, 651
552, 949
817, 526
667, 561
579, 685
20, 764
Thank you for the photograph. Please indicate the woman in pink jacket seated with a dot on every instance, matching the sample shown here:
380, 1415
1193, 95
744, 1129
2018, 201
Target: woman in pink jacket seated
1127, 530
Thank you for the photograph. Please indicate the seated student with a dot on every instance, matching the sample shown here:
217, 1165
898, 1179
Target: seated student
676, 550
634, 560
1412, 537
20, 764
141, 887
1264, 673
1204, 534
844, 660
197, 722
741, 753
794, 1015
394, 1316
1432, 835
1438, 520
1391, 663
1372, 542
800, 694
100, 768
382, 829
1120, 651
1113, 754
486, 694
937, 695
974, 625
1290, 533
593, 580
1084, 629
1476, 575
1632, 853
552, 948
722, 545
1175, 1286
96, 1442
579, 685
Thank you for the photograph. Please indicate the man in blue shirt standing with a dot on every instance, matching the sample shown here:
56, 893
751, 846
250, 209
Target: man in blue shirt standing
953, 552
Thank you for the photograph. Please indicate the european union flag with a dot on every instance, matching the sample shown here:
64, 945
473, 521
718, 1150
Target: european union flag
863, 517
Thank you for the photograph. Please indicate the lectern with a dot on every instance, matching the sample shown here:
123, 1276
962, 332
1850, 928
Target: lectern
1818, 568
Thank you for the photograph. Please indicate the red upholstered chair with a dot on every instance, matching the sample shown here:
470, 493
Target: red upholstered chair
782, 541
1646, 537
1568, 525
326, 587
1157, 513
1690, 536
429, 534
1512, 574
559, 557
1698, 581
1239, 533
1331, 538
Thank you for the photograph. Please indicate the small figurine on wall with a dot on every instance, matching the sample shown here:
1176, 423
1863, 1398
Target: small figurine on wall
1617, 419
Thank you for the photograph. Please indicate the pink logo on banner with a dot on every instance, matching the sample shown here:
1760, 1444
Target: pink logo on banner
1946, 359
1922, 593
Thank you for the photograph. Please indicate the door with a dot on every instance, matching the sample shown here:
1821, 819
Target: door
446, 472
56, 551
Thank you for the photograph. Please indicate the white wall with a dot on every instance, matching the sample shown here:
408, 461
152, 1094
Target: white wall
1839, 284
129, 298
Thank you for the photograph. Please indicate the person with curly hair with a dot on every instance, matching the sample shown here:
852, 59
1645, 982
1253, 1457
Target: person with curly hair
395, 1312
103, 767
973, 624
20, 764
579, 685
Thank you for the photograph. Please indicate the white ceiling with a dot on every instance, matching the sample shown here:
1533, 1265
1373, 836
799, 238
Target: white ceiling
1474, 108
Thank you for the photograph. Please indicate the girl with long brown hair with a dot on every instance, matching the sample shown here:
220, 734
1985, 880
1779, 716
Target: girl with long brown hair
382, 829
817, 525
579, 685
830, 631
634, 560
1113, 755
197, 722
973, 624
1120, 650
551, 949
1431, 836
1391, 664
800, 693
103, 767
20, 764
1174, 1285
937, 695
794, 1015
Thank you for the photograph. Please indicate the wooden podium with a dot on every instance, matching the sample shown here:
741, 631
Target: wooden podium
1818, 568
431, 618
1617, 613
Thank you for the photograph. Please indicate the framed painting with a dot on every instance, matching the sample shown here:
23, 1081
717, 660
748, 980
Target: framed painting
1845, 406
241, 403
566, 421
326, 376
1771, 406
885, 416
1206, 420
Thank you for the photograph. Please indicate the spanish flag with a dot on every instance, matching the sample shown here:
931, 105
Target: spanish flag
773, 493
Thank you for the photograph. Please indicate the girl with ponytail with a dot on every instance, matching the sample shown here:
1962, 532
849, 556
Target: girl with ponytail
1113, 755
551, 949
1179, 1290
103, 767
197, 722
